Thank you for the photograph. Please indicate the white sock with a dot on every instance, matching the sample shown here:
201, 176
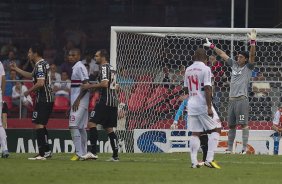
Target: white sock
76, 138
194, 147
3, 139
212, 145
83, 134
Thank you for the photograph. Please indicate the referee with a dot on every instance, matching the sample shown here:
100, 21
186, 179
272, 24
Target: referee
44, 98
105, 111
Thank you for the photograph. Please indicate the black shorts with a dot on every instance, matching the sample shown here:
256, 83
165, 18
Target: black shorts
104, 115
5, 108
42, 112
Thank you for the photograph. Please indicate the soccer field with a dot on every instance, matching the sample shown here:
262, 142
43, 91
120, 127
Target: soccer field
140, 168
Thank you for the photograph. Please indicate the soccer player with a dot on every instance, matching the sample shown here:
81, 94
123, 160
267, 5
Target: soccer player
3, 136
277, 120
105, 112
44, 98
238, 108
197, 81
79, 105
203, 135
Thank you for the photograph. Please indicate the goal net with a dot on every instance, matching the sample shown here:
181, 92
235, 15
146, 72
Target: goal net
151, 62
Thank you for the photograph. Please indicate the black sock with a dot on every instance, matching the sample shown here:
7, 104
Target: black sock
204, 145
93, 137
40, 136
114, 143
47, 146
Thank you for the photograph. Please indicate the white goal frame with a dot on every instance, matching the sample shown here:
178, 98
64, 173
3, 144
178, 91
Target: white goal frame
183, 30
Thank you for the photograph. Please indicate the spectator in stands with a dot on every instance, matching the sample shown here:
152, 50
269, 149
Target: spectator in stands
217, 71
164, 77
67, 66
11, 58
260, 89
55, 76
9, 85
122, 114
18, 98
49, 53
7, 47
93, 67
179, 74
125, 83
63, 88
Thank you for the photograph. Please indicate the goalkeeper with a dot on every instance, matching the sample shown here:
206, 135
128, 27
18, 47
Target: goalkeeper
238, 108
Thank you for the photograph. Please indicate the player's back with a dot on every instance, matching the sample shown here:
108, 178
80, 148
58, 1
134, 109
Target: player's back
197, 76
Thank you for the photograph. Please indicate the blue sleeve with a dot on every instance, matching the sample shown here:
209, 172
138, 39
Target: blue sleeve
180, 110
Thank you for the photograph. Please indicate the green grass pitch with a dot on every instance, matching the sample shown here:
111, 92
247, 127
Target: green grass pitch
140, 168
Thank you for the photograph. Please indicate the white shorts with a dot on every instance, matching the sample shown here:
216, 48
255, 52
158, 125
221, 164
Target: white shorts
201, 123
79, 118
1, 106
216, 118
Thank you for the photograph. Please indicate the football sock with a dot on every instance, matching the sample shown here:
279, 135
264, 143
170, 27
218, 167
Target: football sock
204, 145
114, 143
83, 140
194, 147
47, 146
93, 136
231, 137
245, 137
76, 138
41, 141
3, 139
212, 145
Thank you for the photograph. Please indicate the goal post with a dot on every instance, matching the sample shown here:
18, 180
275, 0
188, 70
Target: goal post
150, 62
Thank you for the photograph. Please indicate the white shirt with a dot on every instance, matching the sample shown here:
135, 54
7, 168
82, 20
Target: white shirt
93, 67
16, 94
276, 119
79, 74
196, 77
2, 73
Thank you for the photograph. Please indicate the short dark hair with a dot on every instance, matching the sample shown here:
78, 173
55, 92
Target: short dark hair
104, 53
37, 48
200, 54
76, 50
245, 54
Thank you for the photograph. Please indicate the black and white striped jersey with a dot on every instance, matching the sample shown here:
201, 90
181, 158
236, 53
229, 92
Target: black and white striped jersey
109, 94
41, 71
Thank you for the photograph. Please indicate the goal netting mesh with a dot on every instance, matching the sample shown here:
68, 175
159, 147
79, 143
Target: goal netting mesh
150, 68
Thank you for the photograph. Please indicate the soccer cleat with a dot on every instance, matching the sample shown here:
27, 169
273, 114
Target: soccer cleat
48, 154
5, 154
113, 159
212, 164
243, 152
77, 158
37, 157
227, 151
89, 156
195, 166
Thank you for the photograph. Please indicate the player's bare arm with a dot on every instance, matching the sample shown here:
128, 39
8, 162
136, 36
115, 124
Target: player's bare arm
102, 84
39, 84
218, 51
3, 84
252, 39
25, 74
81, 94
208, 92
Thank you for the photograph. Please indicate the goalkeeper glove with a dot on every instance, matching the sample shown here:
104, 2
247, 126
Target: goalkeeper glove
174, 125
209, 44
252, 37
